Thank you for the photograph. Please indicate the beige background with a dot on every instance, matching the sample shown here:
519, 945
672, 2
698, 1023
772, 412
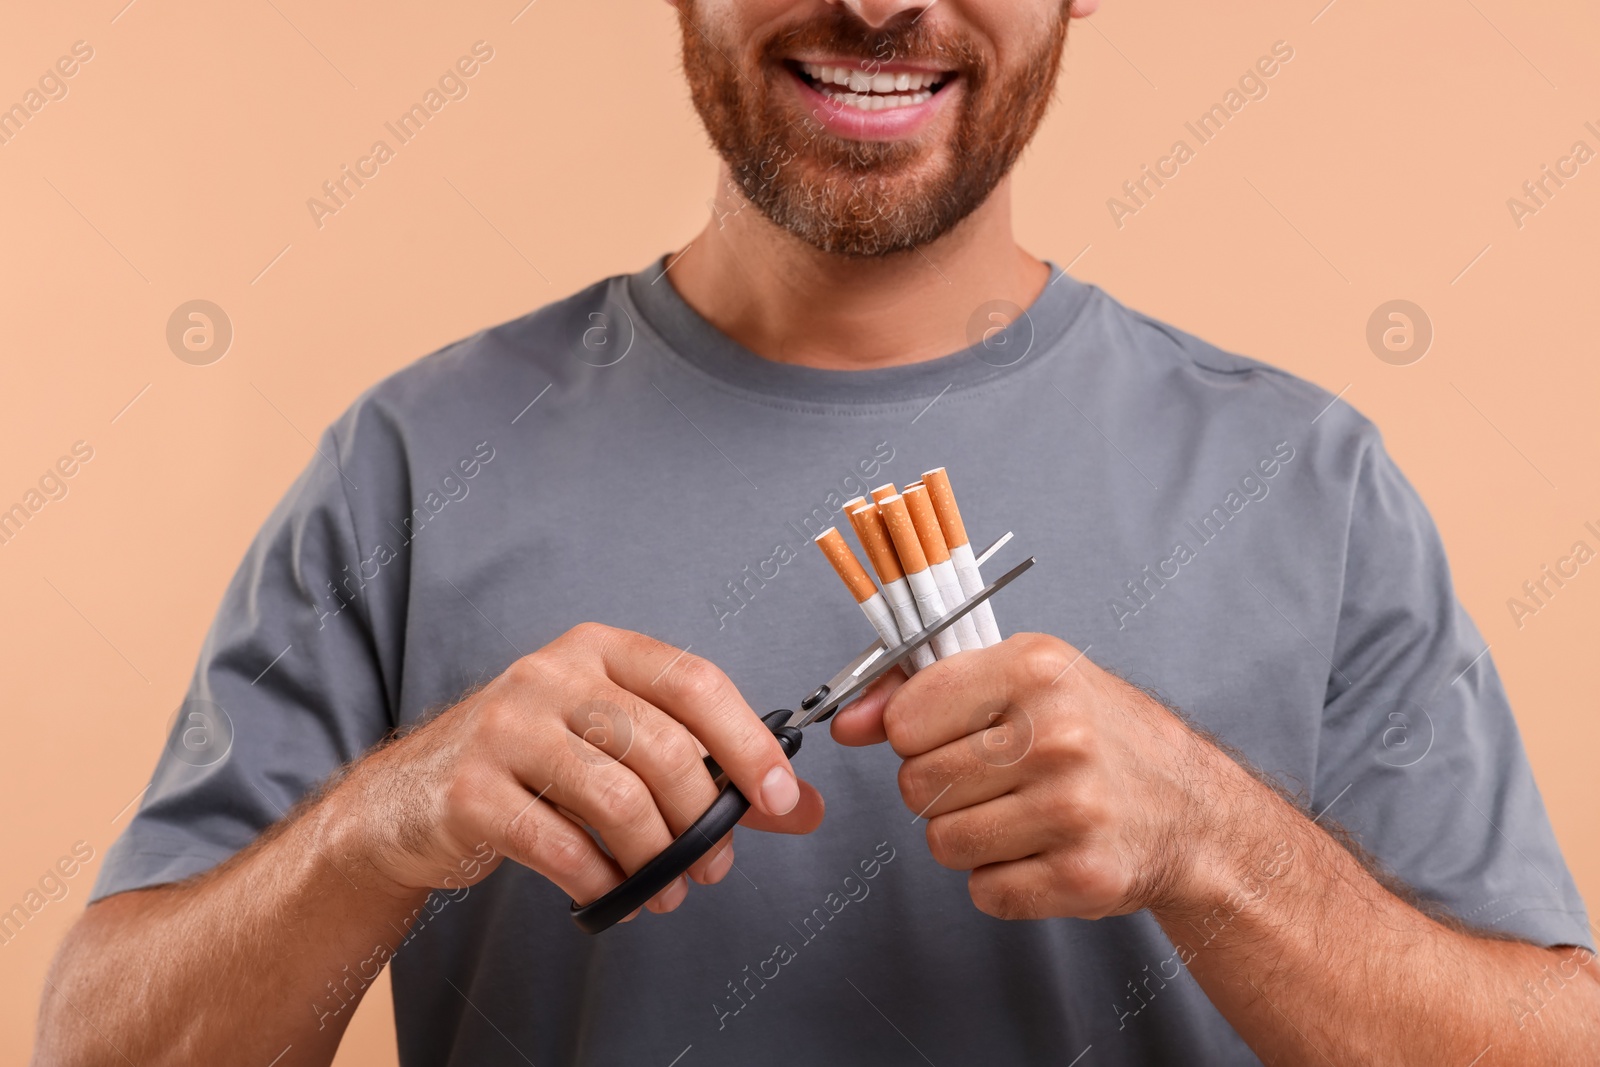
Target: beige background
179, 164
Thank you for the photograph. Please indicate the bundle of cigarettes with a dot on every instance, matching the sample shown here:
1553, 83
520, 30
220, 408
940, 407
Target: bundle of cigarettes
918, 546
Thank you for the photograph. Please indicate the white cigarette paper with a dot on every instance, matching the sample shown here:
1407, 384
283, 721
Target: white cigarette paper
966, 568
930, 606
923, 517
924, 590
874, 538
961, 557
878, 612
906, 614
950, 591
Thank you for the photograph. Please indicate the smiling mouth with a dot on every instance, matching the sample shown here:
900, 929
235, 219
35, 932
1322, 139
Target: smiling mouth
883, 91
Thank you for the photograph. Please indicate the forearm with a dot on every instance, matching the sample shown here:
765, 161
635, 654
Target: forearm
270, 951
1313, 961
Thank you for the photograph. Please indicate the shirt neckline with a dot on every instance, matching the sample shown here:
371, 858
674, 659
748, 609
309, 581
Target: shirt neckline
694, 340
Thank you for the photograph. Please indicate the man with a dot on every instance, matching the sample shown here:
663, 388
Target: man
1334, 853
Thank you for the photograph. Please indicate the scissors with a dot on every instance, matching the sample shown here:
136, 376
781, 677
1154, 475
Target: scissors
730, 806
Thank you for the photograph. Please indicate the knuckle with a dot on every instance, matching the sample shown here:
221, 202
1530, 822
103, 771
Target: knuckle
924, 779
673, 751
588, 633
911, 779
563, 852
919, 786
1041, 658
540, 668
623, 802
524, 670
497, 717
674, 748
900, 726
939, 846
600, 721
956, 840
697, 681
754, 746
1096, 879
1068, 739
1004, 895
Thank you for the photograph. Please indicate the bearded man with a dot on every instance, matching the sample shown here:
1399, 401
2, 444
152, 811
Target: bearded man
1242, 786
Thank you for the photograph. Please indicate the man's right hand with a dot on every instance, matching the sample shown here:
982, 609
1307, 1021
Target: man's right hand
602, 728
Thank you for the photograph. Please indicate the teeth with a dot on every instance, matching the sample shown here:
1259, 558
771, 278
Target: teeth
869, 102
859, 81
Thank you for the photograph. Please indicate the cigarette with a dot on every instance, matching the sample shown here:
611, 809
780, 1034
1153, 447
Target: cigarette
937, 482
931, 537
886, 489
874, 535
924, 588
873, 606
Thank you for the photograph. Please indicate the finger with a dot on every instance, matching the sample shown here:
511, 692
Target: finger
696, 693
963, 694
716, 863
599, 791
806, 816
519, 825
861, 722
622, 727
996, 831
968, 770
1035, 887
1013, 890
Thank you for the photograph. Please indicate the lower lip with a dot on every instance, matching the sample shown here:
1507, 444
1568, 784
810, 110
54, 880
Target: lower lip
889, 124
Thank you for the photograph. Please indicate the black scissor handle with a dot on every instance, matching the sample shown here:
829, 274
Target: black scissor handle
711, 827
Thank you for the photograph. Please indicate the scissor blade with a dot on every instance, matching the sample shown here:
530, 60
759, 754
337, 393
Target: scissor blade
856, 665
983, 557
886, 662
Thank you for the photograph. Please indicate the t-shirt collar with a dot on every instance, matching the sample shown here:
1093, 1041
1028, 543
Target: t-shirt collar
696, 341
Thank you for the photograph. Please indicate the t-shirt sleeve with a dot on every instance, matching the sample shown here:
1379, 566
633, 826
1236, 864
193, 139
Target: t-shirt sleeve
1420, 756
288, 688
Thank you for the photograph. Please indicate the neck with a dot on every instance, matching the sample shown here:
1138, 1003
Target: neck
788, 302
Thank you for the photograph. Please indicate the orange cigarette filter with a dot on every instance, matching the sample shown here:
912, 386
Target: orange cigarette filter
926, 523
944, 505
845, 564
874, 535
853, 503
886, 489
904, 533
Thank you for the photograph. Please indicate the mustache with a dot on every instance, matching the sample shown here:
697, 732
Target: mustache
842, 34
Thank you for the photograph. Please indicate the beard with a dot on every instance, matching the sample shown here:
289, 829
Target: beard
866, 198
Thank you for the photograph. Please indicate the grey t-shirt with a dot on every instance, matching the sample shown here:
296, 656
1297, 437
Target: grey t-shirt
1209, 527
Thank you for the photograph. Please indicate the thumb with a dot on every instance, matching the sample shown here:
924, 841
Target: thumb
861, 722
